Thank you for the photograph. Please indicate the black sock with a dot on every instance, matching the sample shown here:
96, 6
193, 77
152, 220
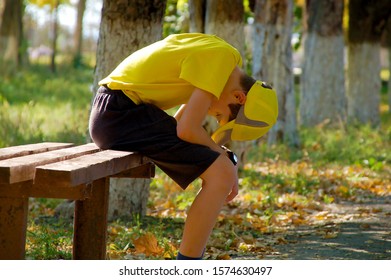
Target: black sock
182, 257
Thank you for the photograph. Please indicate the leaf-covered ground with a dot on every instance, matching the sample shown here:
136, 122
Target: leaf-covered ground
285, 210
288, 211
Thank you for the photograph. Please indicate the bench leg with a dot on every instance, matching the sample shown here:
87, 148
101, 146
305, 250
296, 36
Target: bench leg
90, 225
13, 225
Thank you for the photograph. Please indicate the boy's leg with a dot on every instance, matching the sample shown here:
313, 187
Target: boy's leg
218, 180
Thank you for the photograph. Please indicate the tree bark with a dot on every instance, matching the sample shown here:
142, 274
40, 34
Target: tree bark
387, 44
11, 32
226, 20
55, 36
126, 26
273, 31
78, 36
367, 20
323, 83
197, 11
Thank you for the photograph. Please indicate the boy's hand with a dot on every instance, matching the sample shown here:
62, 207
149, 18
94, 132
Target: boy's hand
235, 187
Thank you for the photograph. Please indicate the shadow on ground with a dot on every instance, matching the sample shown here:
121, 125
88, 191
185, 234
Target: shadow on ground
356, 232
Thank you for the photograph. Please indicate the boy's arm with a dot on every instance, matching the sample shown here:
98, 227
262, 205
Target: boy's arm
190, 118
178, 114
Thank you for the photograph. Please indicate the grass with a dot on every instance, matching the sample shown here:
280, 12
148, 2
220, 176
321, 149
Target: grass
37, 105
280, 186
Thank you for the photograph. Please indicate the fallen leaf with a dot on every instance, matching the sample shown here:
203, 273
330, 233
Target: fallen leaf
147, 244
330, 235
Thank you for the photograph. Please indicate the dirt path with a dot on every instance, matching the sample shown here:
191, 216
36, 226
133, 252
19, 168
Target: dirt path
347, 231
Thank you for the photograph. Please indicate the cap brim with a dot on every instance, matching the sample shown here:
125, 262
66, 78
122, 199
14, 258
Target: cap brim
254, 119
223, 134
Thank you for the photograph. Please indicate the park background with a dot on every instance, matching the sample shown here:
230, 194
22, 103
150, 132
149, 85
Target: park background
321, 173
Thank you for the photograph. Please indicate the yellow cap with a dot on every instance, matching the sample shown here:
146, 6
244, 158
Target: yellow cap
254, 119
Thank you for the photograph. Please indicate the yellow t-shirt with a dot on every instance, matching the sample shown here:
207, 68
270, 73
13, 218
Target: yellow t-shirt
166, 72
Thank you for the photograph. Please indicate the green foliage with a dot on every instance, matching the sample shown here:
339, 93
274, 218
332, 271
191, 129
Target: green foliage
37, 105
175, 18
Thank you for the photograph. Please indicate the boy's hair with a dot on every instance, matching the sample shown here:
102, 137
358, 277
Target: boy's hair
246, 82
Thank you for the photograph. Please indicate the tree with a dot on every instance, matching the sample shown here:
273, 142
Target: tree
224, 18
323, 84
126, 26
367, 20
78, 35
11, 32
272, 62
54, 6
197, 11
388, 44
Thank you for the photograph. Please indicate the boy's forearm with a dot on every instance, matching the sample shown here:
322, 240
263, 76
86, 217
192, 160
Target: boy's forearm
178, 114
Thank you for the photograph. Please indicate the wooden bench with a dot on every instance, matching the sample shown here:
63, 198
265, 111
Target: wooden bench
65, 171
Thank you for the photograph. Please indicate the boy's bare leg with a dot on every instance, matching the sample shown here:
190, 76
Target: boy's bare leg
218, 180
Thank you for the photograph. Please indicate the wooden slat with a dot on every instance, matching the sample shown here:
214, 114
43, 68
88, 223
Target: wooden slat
146, 170
85, 169
28, 189
24, 150
23, 168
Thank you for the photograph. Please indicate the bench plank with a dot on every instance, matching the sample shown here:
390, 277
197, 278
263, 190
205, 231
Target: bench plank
24, 150
23, 168
85, 169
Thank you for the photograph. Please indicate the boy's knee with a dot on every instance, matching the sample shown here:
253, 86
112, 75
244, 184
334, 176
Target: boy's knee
221, 174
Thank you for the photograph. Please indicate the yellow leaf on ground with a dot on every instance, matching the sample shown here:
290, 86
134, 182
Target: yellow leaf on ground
147, 244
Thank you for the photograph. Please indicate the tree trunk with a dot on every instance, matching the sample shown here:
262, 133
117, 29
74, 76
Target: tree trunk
389, 77
323, 84
126, 26
363, 86
197, 11
78, 36
387, 44
367, 20
11, 32
55, 36
259, 34
273, 24
226, 20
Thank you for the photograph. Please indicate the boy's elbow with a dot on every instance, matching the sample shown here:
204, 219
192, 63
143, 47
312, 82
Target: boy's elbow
184, 133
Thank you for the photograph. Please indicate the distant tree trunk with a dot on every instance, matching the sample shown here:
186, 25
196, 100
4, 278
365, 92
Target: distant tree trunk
259, 33
78, 36
273, 24
323, 83
126, 26
226, 20
11, 32
197, 11
389, 79
55, 36
366, 22
387, 44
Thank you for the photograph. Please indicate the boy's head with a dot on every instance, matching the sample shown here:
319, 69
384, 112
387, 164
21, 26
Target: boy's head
246, 82
253, 112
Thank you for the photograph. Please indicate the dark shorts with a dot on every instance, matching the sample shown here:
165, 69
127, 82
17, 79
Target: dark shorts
119, 124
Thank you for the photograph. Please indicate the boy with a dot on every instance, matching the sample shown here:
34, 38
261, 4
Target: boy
201, 73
